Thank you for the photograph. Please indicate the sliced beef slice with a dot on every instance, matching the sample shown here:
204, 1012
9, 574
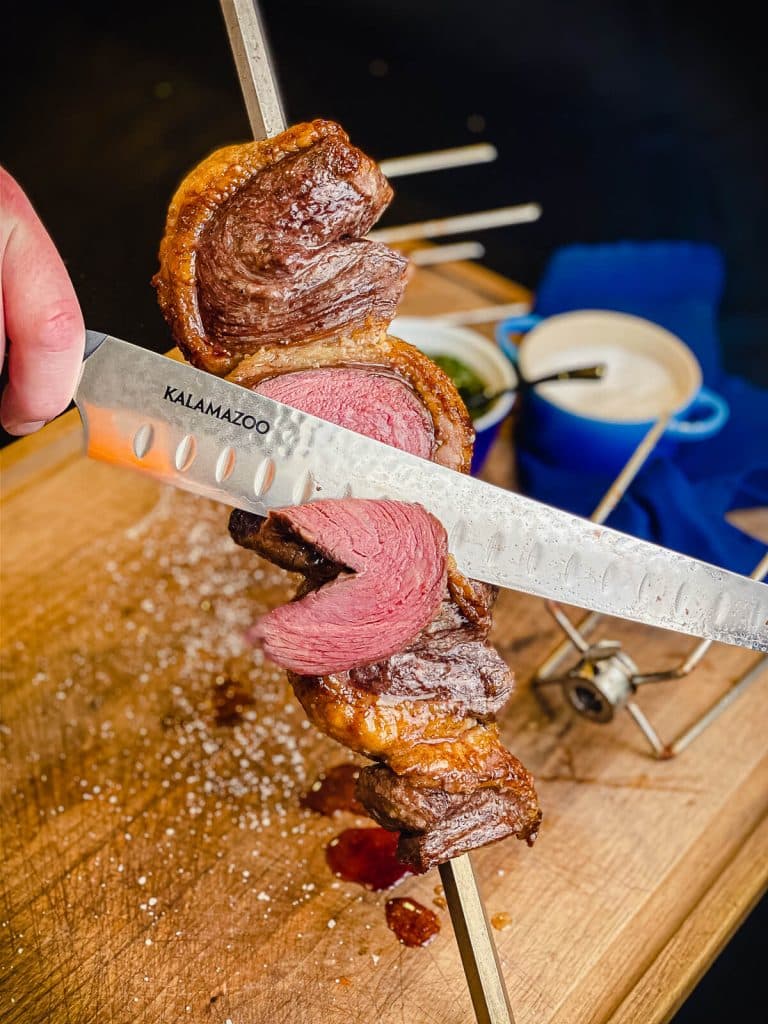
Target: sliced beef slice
395, 568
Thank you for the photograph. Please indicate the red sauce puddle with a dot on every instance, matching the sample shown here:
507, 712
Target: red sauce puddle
413, 924
366, 856
334, 791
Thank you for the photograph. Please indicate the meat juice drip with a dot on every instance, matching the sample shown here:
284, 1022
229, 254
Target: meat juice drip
229, 701
412, 923
367, 856
501, 921
334, 791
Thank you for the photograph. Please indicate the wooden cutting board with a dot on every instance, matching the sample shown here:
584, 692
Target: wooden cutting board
156, 866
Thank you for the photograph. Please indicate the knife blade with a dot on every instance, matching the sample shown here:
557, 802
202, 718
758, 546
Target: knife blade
220, 440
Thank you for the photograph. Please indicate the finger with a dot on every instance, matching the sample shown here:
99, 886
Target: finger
42, 319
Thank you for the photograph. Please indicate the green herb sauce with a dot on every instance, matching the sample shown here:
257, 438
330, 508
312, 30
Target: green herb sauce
467, 382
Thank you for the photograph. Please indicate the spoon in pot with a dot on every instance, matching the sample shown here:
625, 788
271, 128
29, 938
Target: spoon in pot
480, 399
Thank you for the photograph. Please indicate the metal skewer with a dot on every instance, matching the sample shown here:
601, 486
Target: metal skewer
446, 253
439, 160
503, 216
473, 934
483, 315
476, 946
255, 68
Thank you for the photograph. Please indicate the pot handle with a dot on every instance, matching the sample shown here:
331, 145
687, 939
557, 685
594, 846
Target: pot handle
514, 325
704, 417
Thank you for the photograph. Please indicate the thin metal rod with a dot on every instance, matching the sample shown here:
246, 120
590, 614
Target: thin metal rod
694, 657
439, 160
686, 738
483, 315
605, 506
637, 460
586, 625
660, 749
571, 631
255, 68
480, 221
446, 253
476, 946
679, 671
761, 569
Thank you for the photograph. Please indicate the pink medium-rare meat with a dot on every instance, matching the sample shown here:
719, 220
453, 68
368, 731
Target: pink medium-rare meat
449, 424
376, 404
393, 558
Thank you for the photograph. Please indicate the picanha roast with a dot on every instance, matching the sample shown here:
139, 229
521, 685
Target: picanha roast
266, 276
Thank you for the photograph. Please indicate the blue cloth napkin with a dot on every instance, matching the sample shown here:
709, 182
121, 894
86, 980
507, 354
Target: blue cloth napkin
679, 501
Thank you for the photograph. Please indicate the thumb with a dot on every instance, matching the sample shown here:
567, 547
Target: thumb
41, 314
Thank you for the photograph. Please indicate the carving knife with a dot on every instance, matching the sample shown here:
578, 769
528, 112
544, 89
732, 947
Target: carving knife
220, 440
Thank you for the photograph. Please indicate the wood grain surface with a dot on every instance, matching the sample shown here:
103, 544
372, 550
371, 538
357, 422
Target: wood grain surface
156, 865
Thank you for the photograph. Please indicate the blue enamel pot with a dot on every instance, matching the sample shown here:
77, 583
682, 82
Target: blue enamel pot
597, 425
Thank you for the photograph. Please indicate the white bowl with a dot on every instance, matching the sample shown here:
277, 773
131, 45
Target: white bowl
478, 352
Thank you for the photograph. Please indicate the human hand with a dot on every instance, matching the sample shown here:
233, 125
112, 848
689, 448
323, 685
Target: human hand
39, 312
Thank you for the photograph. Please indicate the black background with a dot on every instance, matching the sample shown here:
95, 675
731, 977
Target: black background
624, 120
